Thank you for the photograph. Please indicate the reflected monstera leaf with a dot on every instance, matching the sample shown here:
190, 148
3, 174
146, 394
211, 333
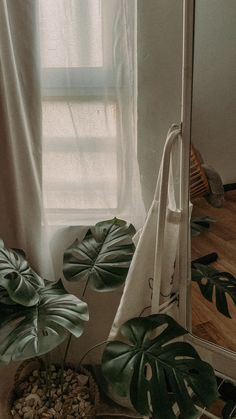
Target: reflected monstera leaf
229, 410
157, 372
200, 225
32, 331
209, 279
103, 257
18, 282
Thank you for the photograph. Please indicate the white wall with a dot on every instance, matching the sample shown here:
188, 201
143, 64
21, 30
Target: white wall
159, 82
214, 104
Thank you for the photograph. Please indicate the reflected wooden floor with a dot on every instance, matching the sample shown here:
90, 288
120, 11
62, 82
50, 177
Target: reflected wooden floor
207, 322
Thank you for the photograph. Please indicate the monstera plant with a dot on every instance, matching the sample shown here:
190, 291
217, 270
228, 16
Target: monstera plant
18, 282
200, 224
35, 315
102, 260
163, 377
210, 279
103, 257
160, 374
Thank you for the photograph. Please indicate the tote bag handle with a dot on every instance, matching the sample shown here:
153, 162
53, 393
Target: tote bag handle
161, 195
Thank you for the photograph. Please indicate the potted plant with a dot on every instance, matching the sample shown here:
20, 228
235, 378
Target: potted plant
149, 366
38, 315
35, 317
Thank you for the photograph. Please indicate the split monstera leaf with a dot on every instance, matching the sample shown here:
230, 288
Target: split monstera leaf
200, 225
159, 374
19, 284
210, 279
103, 257
35, 315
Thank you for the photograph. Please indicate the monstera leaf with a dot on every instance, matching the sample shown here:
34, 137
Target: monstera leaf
26, 332
103, 257
200, 225
156, 372
209, 279
229, 410
18, 282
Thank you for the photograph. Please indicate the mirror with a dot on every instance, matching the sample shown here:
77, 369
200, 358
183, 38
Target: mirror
213, 173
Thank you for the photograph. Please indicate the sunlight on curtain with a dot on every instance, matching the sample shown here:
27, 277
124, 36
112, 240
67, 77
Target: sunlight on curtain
74, 176
78, 44
88, 63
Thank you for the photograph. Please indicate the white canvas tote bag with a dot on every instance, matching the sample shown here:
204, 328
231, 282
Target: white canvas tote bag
152, 280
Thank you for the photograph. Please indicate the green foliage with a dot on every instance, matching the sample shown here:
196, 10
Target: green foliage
103, 257
35, 315
174, 368
32, 331
200, 225
18, 282
209, 279
229, 410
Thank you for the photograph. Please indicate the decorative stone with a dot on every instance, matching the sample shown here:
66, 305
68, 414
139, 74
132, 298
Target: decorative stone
26, 409
82, 379
29, 415
33, 397
34, 389
35, 373
58, 406
35, 403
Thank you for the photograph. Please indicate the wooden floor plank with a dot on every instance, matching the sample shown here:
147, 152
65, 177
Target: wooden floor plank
208, 323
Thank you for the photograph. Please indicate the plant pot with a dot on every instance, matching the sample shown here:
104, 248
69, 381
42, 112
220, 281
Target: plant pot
29, 392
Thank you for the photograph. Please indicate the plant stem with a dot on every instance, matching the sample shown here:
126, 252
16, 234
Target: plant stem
93, 347
62, 381
85, 288
63, 363
49, 379
46, 375
67, 350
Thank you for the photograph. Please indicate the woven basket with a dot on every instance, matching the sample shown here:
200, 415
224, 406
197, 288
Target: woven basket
24, 371
199, 185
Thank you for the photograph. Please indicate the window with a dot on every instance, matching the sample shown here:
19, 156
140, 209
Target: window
85, 93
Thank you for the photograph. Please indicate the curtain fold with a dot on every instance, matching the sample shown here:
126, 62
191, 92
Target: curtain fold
89, 76
20, 133
68, 123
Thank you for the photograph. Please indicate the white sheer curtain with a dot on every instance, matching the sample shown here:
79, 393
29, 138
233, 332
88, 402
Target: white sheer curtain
83, 168
89, 119
20, 132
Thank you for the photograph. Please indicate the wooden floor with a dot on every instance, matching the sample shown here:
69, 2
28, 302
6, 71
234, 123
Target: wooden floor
207, 322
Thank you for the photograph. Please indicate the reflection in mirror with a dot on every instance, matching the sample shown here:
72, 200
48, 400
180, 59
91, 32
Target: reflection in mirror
213, 173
